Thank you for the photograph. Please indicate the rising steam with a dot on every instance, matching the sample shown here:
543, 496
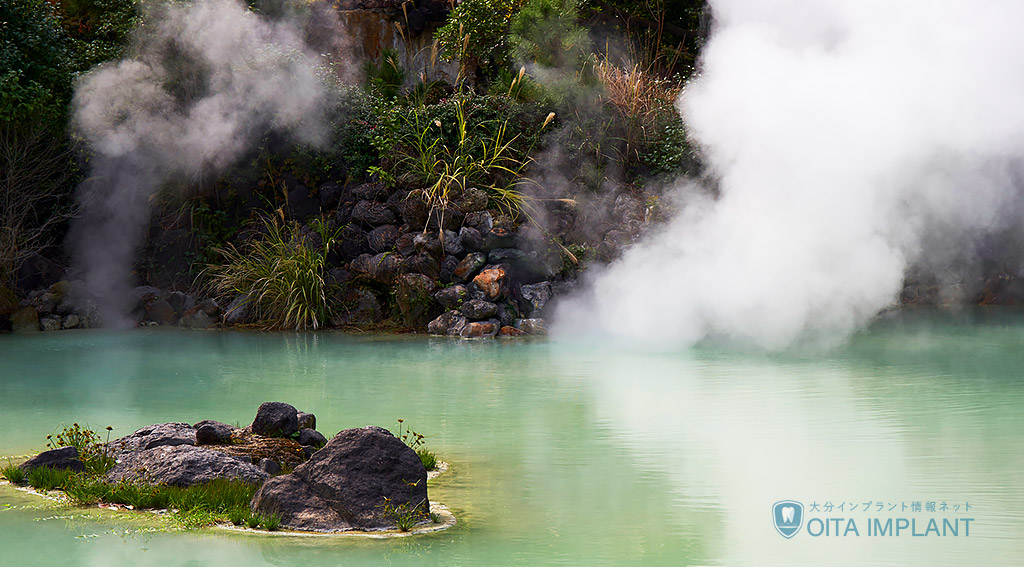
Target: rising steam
205, 81
849, 141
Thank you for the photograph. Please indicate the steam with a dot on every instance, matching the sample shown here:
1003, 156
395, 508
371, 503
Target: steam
849, 141
206, 80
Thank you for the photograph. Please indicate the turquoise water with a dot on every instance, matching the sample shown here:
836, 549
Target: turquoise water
570, 454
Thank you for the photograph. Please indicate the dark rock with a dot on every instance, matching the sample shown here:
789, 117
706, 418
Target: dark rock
345, 484
356, 307
472, 200
298, 506
507, 314
452, 243
468, 267
238, 311
481, 329
300, 205
306, 421
415, 211
452, 297
382, 238
491, 282
535, 297
505, 255
71, 321
448, 323
533, 326
25, 320
180, 302
275, 419
481, 221
62, 458
270, 466
353, 242
196, 318
428, 242
372, 213
406, 244
370, 192
161, 312
146, 293
182, 465
422, 263
330, 195
448, 266
50, 323
210, 432
498, 238
157, 435
307, 451
471, 239
475, 310
414, 296
509, 331
311, 437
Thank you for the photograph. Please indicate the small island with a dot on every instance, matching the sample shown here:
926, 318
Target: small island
278, 473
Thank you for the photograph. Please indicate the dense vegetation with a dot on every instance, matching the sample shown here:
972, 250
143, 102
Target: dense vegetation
592, 82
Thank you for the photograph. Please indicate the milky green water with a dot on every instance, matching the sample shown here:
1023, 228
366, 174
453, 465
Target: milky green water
570, 454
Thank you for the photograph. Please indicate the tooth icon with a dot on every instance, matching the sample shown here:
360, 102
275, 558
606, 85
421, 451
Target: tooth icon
787, 514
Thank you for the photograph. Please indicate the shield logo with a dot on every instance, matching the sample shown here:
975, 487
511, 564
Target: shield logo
788, 516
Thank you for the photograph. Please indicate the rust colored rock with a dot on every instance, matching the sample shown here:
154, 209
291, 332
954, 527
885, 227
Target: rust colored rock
491, 282
481, 329
509, 331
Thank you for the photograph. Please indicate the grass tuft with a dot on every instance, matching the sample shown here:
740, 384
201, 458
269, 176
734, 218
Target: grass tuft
13, 473
271, 522
46, 478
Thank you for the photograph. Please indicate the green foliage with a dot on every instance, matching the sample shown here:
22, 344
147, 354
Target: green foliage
385, 76
13, 473
545, 32
415, 442
91, 451
99, 29
476, 34
237, 516
271, 522
252, 521
462, 142
281, 273
404, 516
35, 64
46, 478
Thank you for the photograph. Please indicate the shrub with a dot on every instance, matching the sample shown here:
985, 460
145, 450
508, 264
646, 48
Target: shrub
281, 273
404, 516
271, 522
475, 34
13, 473
91, 452
415, 441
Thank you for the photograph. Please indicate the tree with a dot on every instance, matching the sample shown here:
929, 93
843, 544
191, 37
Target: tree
476, 34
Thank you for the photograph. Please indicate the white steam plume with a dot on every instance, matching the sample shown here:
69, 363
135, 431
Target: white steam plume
206, 80
844, 136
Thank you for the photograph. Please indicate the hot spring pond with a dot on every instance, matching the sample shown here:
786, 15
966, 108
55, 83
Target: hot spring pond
573, 454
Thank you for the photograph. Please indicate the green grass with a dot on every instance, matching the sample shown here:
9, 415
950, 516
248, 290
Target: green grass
252, 521
46, 478
13, 473
428, 458
271, 522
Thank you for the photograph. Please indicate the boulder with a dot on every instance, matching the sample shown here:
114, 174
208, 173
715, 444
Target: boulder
62, 458
180, 302
452, 297
480, 221
306, 421
238, 310
468, 267
372, 213
533, 326
414, 296
210, 432
472, 200
491, 282
382, 238
481, 329
50, 323
161, 311
71, 321
421, 263
311, 438
182, 465
25, 320
196, 318
453, 244
535, 297
270, 466
471, 239
356, 307
276, 419
476, 309
509, 331
448, 266
157, 435
498, 237
448, 323
346, 484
